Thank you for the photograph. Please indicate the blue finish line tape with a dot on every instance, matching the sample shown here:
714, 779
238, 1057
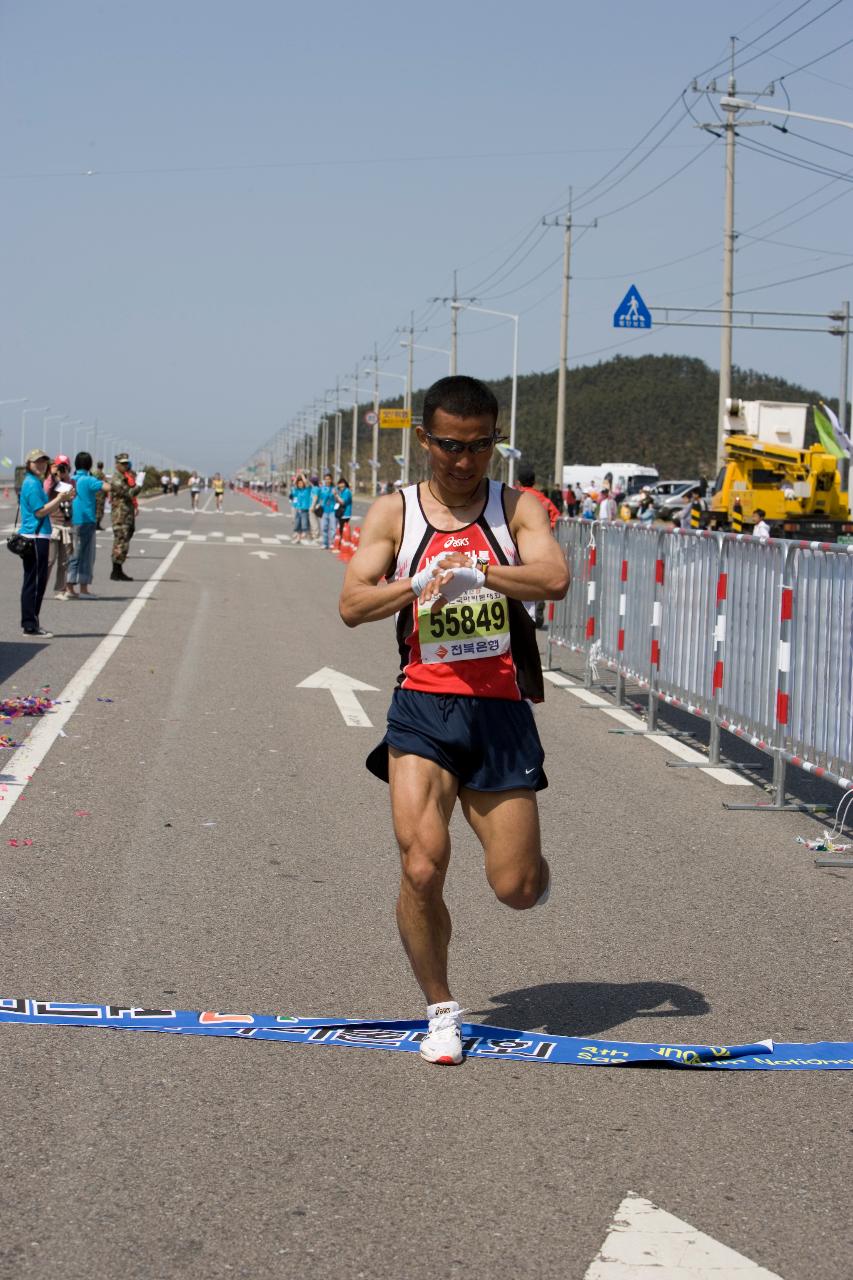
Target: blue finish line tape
480, 1041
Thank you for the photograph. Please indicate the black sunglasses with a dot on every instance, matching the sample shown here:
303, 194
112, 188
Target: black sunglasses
448, 445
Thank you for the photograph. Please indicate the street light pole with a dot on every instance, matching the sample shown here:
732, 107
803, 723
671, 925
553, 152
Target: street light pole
50, 417
24, 413
507, 315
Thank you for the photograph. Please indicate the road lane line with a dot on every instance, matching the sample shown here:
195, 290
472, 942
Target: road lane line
28, 757
561, 681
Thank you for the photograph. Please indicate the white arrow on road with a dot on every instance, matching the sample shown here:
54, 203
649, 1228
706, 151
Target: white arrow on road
647, 1243
264, 555
343, 689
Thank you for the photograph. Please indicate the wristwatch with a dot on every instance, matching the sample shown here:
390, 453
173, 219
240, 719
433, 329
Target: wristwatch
483, 563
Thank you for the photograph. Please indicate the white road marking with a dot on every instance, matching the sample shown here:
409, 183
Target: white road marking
237, 539
252, 535
263, 555
217, 534
197, 537
273, 542
647, 1243
160, 537
23, 764
181, 533
561, 681
728, 777
343, 690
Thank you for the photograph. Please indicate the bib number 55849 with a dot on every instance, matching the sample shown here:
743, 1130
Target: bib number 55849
468, 620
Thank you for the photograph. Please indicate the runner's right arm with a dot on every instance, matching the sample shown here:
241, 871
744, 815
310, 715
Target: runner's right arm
365, 597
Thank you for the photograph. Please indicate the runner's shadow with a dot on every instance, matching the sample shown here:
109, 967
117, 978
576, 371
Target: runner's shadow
588, 1008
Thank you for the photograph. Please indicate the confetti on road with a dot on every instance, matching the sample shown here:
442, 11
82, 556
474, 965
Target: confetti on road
34, 705
7, 743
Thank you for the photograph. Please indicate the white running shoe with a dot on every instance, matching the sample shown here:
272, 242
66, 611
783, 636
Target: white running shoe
443, 1042
546, 892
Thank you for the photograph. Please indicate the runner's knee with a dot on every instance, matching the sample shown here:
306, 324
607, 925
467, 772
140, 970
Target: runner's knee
518, 892
423, 871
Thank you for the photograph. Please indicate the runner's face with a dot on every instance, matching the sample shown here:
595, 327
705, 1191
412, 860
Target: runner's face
458, 472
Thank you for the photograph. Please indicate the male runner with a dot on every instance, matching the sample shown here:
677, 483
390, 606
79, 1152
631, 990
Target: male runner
459, 555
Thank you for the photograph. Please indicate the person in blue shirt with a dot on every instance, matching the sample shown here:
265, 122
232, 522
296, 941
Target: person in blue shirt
300, 496
35, 526
314, 511
84, 518
344, 510
329, 502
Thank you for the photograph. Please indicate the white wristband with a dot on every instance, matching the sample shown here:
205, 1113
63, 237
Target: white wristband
421, 578
467, 579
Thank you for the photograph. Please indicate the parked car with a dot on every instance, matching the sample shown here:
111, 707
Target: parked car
660, 493
670, 508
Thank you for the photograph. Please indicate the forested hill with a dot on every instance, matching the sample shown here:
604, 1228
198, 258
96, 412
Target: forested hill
653, 409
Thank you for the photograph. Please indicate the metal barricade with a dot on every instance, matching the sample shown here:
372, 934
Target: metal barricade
817, 732
754, 635
688, 621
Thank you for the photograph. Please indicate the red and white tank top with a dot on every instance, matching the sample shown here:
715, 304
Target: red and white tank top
472, 646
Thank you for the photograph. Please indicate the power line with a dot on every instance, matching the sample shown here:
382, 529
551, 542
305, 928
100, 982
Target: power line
794, 279
814, 61
796, 162
804, 248
761, 52
479, 285
652, 190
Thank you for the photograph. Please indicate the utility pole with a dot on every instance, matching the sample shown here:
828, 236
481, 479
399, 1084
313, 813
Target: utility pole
731, 107
410, 377
843, 331
374, 461
456, 303
353, 459
560, 429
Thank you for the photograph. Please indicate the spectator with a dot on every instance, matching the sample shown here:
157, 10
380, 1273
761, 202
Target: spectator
175, 483
571, 502
761, 529
646, 510
84, 509
59, 482
607, 509
556, 496
300, 496
36, 509
588, 507
123, 491
526, 477
166, 482
315, 511
344, 508
328, 501
101, 499
195, 486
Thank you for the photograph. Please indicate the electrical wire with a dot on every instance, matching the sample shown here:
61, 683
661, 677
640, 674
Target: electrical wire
786, 244
794, 279
826, 146
762, 52
652, 190
543, 231
796, 162
764, 34
814, 61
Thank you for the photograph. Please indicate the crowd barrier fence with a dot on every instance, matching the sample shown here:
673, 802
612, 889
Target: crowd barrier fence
753, 635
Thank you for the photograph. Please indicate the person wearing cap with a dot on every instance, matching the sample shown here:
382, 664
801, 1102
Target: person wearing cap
83, 520
123, 491
35, 525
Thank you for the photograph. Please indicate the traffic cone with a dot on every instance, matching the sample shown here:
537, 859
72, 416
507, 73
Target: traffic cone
336, 544
346, 548
356, 535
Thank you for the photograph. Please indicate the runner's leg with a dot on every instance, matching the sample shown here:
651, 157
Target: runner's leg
507, 825
422, 799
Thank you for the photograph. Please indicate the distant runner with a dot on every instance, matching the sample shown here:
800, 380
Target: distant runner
460, 554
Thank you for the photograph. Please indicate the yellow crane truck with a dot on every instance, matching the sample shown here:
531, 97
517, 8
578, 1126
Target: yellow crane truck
801, 491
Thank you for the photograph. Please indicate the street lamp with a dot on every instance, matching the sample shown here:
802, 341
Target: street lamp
43, 409
19, 400
385, 373
50, 417
419, 346
507, 315
72, 422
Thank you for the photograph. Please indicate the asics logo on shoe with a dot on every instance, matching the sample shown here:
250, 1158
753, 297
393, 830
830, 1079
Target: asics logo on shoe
456, 542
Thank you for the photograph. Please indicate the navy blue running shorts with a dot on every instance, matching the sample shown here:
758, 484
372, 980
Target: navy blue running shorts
489, 744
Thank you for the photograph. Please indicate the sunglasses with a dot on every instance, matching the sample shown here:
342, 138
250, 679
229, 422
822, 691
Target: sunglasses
448, 445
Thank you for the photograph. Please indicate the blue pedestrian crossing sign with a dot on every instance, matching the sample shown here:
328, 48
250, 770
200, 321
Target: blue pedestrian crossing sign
632, 312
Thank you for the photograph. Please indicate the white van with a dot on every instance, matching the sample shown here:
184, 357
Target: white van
628, 477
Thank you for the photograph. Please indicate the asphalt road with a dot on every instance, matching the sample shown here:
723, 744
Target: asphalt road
154, 1156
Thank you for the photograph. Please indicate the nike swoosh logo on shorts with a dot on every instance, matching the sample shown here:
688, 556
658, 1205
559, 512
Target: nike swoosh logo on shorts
529, 770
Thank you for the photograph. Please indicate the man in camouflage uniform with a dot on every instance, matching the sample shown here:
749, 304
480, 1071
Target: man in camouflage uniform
101, 497
123, 491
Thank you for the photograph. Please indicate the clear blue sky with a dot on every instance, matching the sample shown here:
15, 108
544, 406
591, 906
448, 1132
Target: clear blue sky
276, 185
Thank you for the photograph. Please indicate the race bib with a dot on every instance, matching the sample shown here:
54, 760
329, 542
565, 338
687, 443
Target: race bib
474, 626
